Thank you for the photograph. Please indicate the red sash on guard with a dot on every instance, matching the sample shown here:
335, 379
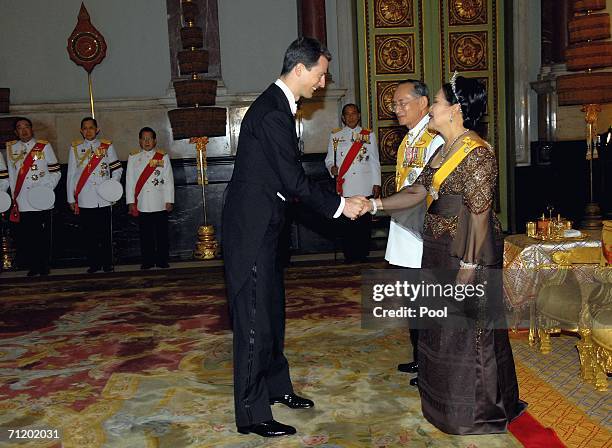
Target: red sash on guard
348, 161
23, 172
89, 168
144, 176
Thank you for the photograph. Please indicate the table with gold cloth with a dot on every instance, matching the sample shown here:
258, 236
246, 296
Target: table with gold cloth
529, 262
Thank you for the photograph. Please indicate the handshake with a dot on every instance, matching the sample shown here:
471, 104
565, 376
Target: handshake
355, 206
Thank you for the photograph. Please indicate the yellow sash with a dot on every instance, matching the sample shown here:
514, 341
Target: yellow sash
401, 171
468, 145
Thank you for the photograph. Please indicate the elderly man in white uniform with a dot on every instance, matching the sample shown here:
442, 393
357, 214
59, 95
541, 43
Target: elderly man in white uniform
404, 247
149, 193
352, 158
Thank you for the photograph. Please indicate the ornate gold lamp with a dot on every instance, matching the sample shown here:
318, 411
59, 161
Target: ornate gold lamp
590, 52
195, 119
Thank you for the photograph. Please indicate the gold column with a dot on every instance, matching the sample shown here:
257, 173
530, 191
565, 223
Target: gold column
207, 246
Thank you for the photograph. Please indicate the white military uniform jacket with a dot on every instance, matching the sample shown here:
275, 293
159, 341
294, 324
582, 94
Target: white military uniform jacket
364, 172
109, 168
4, 176
405, 247
45, 171
159, 187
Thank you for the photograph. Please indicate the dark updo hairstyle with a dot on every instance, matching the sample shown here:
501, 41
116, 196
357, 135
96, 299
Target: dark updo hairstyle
471, 97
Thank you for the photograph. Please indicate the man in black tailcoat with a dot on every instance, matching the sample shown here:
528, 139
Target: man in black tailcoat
268, 172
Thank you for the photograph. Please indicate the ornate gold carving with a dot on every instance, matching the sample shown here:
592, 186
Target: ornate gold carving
468, 51
388, 184
395, 53
389, 139
384, 98
467, 12
393, 13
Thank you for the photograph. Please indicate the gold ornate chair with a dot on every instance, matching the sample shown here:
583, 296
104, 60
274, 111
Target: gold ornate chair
576, 297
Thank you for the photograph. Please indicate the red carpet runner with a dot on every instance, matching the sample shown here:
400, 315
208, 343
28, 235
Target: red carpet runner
532, 434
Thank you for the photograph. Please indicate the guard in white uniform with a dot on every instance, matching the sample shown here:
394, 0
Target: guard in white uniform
100, 159
352, 159
149, 189
4, 176
41, 170
405, 248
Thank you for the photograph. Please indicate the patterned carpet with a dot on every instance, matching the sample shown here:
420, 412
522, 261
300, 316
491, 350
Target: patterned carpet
145, 361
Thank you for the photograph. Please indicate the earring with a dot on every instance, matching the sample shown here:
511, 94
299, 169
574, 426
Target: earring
451, 117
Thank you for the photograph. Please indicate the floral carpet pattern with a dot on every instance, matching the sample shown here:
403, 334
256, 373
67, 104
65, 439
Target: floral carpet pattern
145, 361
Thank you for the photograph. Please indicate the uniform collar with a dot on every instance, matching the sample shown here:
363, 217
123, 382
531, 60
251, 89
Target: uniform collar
29, 143
419, 127
93, 142
355, 129
288, 94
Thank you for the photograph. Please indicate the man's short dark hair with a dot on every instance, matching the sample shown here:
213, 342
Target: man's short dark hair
18, 119
92, 119
420, 88
147, 129
350, 105
305, 50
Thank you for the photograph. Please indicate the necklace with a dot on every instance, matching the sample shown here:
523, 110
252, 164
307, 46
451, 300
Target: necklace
450, 147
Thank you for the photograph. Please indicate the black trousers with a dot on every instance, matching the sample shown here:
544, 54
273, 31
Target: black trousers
414, 339
356, 237
261, 370
97, 227
153, 237
34, 239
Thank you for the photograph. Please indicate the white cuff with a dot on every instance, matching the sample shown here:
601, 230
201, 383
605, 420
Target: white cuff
464, 265
341, 208
374, 207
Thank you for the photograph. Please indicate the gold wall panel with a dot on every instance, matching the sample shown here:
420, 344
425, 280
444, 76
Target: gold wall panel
394, 53
467, 12
393, 14
389, 139
384, 98
388, 183
468, 51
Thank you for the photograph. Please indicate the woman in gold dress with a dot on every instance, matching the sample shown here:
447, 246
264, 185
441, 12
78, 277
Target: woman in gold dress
467, 379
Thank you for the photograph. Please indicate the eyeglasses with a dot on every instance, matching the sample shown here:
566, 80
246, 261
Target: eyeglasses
402, 104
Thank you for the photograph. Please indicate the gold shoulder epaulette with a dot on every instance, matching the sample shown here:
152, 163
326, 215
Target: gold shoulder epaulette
335, 130
161, 151
11, 143
108, 142
77, 142
44, 142
135, 152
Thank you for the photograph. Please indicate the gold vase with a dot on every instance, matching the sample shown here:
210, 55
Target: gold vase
207, 246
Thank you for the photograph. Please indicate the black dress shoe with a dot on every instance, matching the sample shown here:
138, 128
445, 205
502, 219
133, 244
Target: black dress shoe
32, 273
163, 265
293, 401
93, 269
145, 266
410, 367
271, 428
108, 269
414, 381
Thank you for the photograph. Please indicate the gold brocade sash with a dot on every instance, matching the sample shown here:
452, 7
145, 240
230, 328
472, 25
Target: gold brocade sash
421, 142
469, 144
